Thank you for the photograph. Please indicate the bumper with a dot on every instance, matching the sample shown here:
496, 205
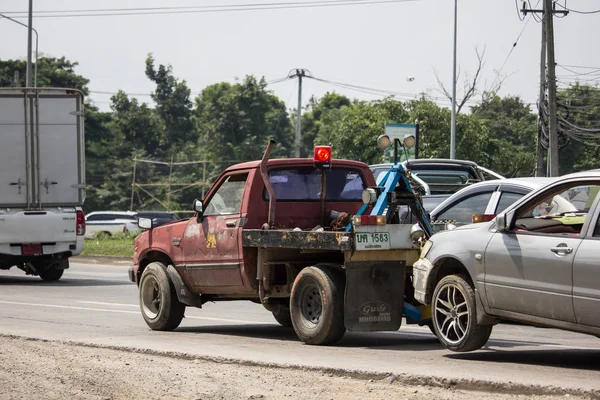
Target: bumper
131, 275
421, 271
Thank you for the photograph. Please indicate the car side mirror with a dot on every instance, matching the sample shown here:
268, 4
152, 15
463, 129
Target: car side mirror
198, 207
145, 223
504, 220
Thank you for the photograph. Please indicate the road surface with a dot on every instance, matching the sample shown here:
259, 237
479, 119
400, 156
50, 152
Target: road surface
97, 305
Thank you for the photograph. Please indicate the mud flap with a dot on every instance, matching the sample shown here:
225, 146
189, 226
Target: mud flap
374, 295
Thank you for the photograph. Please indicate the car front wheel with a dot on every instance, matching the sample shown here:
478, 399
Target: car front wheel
455, 315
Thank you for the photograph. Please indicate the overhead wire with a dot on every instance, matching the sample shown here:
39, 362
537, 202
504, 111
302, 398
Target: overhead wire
577, 11
206, 9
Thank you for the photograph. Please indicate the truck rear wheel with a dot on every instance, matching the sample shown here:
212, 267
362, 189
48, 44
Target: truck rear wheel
54, 271
317, 305
159, 304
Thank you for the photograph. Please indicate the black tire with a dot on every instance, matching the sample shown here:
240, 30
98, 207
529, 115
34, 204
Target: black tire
316, 321
283, 317
54, 271
455, 315
159, 304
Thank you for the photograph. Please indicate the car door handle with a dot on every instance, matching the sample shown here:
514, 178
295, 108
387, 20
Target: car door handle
561, 249
230, 223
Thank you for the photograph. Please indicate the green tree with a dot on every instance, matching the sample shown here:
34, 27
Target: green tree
579, 115
352, 131
235, 121
318, 110
173, 104
510, 146
52, 72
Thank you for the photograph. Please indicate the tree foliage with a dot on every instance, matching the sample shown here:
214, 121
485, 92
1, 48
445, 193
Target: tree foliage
232, 122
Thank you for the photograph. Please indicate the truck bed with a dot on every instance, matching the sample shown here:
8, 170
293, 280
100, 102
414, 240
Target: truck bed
307, 240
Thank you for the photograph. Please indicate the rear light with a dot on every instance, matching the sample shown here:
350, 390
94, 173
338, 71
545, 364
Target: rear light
366, 220
134, 222
80, 228
483, 218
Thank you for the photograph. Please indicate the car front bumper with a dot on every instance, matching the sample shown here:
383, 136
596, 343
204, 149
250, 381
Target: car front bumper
421, 271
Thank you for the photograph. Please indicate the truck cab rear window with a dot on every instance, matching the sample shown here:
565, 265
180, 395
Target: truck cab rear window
304, 184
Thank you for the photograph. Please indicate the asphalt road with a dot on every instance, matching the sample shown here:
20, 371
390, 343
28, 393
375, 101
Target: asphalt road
96, 304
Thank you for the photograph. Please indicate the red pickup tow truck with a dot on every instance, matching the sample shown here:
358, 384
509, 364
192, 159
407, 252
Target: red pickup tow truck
276, 232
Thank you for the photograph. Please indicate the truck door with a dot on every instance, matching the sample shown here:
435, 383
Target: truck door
211, 242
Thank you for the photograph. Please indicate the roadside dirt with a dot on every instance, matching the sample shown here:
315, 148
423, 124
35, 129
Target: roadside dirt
51, 370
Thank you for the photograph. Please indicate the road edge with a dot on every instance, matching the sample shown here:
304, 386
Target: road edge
407, 379
101, 260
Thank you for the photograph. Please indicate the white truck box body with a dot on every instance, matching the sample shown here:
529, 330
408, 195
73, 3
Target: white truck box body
41, 147
42, 170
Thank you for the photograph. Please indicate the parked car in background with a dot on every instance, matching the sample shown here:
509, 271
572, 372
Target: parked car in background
535, 263
443, 176
158, 217
110, 222
488, 197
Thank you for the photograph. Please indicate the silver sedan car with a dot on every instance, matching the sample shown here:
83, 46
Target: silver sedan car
536, 263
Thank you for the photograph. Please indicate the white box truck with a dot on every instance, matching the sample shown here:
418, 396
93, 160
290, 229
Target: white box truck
42, 179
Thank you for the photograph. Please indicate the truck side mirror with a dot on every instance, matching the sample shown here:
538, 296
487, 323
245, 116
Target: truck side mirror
198, 206
145, 223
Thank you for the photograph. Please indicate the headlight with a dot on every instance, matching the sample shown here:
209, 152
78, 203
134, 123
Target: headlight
426, 247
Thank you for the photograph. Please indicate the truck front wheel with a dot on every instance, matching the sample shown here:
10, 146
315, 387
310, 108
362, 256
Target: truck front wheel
159, 304
317, 305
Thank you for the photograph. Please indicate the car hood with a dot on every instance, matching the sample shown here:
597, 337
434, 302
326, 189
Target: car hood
482, 225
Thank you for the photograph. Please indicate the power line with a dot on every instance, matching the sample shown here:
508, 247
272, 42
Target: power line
576, 11
205, 9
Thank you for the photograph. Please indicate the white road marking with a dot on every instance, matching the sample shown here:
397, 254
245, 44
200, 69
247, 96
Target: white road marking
102, 303
235, 321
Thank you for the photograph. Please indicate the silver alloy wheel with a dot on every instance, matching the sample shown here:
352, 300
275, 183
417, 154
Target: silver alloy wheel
451, 313
311, 304
151, 296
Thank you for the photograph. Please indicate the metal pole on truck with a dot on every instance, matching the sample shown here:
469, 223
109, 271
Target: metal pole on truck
29, 28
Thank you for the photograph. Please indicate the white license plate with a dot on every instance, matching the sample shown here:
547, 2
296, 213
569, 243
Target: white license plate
372, 240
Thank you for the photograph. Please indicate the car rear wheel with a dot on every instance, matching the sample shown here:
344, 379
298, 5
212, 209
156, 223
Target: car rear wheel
454, 315
159, 304
317, 305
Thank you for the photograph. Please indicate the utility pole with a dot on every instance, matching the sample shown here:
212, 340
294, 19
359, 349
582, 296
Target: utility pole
453, 123
540, 169
548, 22
29, 40
299, 73
552, 121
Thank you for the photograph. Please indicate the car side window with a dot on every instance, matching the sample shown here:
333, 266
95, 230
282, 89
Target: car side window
560, 211
506, 199
228, 197
95, 217
462, 212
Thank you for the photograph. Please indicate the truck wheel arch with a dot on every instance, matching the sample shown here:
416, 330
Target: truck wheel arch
152, 256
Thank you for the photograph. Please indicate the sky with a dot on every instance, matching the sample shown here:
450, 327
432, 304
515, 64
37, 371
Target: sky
394, 46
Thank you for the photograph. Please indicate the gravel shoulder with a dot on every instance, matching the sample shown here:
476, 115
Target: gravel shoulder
55, 370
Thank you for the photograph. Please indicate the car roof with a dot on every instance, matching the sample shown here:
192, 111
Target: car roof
530, 183
433, 161
112, 212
